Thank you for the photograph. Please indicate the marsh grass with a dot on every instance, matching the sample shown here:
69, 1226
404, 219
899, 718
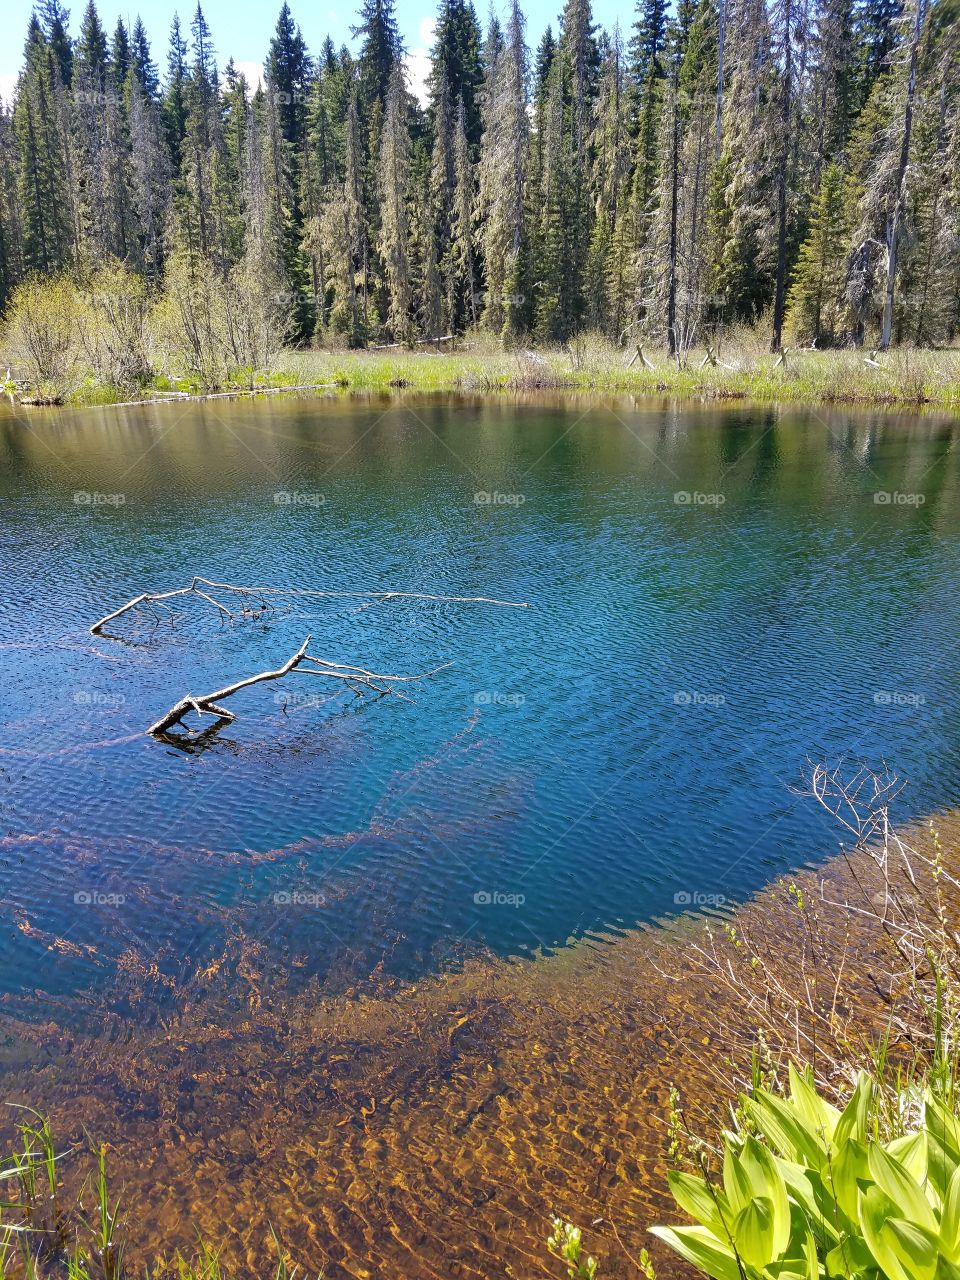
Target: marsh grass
905, 377
742, 370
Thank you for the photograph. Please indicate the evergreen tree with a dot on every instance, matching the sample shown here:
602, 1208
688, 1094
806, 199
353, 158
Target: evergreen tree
394, 187
816, 310
45, 230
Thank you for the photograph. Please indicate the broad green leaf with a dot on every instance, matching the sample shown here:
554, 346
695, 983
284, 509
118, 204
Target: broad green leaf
850, 1256
846, 1165
767, 1180
876, 1209
808, 1193
911, 1151
784, 1127
856, 1114
753, 1232
707, 1205
941, 1165
736, 1181
819, 1114
940, 1123
905, 1192
700, 1247
950, 1220
916, 1248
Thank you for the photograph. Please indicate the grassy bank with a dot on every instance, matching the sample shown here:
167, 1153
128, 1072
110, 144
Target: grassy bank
902, 377
908, 378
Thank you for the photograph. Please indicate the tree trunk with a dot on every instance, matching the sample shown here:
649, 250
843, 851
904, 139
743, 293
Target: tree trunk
895, 216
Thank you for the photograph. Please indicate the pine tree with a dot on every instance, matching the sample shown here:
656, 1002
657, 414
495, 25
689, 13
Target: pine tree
817, 291
394, 189
174, 108
43, 200
143, 64
502, 169
56, 22
381, 49
456, 66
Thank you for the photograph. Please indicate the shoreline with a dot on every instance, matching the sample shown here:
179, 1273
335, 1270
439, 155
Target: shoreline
917, 380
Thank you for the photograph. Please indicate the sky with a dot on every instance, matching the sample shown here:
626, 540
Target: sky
243, 29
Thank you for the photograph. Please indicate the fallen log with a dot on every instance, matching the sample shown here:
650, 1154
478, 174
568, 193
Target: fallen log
356, 678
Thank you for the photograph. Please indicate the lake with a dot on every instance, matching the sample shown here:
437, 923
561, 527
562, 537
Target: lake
717, 597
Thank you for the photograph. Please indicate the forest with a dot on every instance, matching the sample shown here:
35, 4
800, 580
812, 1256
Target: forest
787, 164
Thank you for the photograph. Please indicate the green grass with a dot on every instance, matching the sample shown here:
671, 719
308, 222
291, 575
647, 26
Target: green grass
903, 377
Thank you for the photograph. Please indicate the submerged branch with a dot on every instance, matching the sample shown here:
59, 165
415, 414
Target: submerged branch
356, 678
202, 588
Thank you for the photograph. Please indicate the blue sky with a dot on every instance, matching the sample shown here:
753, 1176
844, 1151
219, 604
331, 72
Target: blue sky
244, 30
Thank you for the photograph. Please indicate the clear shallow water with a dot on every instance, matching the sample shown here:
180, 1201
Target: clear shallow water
621, 749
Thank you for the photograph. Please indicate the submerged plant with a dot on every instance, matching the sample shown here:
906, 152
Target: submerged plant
810, 1191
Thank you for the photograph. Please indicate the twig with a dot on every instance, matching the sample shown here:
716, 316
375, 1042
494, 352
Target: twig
197, 583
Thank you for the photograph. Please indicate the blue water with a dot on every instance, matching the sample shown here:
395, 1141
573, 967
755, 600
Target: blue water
627, 747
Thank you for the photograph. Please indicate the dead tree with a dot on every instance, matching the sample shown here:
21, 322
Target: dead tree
253, 601
356, 678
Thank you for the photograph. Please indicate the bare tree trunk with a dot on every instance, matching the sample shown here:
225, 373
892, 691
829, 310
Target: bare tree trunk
895, 216
674, 208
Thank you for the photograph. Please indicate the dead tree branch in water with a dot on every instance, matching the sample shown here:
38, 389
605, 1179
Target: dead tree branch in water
253, 601
356, 678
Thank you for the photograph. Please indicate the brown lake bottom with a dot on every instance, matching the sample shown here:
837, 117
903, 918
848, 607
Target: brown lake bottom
431, 1129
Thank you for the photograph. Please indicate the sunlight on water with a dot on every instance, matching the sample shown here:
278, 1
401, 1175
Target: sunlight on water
195, 938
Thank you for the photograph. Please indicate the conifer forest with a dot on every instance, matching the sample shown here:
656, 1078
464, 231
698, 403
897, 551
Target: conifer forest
787, 164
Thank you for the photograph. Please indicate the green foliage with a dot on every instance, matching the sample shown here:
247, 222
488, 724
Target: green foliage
564, 1243
810, 1191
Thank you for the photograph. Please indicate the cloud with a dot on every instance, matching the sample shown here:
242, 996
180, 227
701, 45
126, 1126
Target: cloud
417, 61
8, 82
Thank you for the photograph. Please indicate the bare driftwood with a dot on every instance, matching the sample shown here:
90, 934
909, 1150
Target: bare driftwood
356, 678
253, 601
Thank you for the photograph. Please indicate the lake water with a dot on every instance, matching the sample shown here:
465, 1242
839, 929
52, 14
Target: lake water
313, 967
716, 597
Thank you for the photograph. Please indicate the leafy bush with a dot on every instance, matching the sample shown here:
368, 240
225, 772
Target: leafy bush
810, 1191
112, 326
41, 333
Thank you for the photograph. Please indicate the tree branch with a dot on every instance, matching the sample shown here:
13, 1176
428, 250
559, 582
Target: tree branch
246, 594
356, 678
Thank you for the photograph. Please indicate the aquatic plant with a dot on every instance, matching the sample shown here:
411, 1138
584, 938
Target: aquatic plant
47, 1235
809, 1191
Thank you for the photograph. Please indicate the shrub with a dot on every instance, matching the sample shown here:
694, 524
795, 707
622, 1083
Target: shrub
41, 333
810, 1191
112, 326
